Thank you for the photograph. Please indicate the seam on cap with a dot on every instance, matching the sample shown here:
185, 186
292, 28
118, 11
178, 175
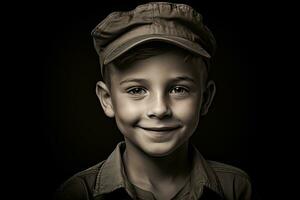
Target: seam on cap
166, 3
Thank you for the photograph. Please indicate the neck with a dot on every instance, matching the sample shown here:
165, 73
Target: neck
144, 170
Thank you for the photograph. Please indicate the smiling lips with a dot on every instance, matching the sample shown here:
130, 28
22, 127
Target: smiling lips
161, 129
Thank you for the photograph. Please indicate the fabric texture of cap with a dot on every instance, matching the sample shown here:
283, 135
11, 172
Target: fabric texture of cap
178, 24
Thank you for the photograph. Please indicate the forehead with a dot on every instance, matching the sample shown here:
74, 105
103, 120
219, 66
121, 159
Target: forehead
164, 66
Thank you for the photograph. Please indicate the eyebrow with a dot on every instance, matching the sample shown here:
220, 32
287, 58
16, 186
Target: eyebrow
140, 80
184, 78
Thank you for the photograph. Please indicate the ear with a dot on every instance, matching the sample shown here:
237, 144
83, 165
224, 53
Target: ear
104, 97
208, 96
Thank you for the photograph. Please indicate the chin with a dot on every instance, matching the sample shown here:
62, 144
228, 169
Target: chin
159, 150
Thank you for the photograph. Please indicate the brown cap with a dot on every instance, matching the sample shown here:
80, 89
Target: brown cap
178, 24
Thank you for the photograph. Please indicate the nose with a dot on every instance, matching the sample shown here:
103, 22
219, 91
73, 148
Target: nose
159, 107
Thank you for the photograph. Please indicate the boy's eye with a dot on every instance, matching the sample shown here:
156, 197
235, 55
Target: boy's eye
136, 91
179, 90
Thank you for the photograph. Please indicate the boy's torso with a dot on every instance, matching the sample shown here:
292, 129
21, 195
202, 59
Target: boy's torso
107, 180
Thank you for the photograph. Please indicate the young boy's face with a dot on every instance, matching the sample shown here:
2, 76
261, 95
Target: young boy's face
157, 101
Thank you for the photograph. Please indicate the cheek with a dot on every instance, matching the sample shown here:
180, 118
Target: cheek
188, 111
126, 111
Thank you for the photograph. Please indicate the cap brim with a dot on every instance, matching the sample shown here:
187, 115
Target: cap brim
178, 41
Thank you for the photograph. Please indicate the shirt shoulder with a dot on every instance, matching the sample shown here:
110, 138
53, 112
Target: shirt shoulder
236, 183
222, 168
79, 186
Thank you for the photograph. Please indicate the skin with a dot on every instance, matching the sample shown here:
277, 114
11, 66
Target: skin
157, 104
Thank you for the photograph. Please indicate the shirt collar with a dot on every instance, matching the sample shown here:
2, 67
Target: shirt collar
112, 176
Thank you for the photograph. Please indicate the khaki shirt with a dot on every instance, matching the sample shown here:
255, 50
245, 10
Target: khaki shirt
108, 180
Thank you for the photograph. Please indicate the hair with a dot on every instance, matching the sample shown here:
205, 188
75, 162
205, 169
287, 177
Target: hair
147, 50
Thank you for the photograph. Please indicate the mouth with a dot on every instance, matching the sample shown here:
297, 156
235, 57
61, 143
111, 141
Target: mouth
161, 129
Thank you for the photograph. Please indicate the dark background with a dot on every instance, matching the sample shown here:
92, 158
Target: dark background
58, 127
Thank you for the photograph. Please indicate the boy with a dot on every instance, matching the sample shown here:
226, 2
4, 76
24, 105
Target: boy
155, 62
